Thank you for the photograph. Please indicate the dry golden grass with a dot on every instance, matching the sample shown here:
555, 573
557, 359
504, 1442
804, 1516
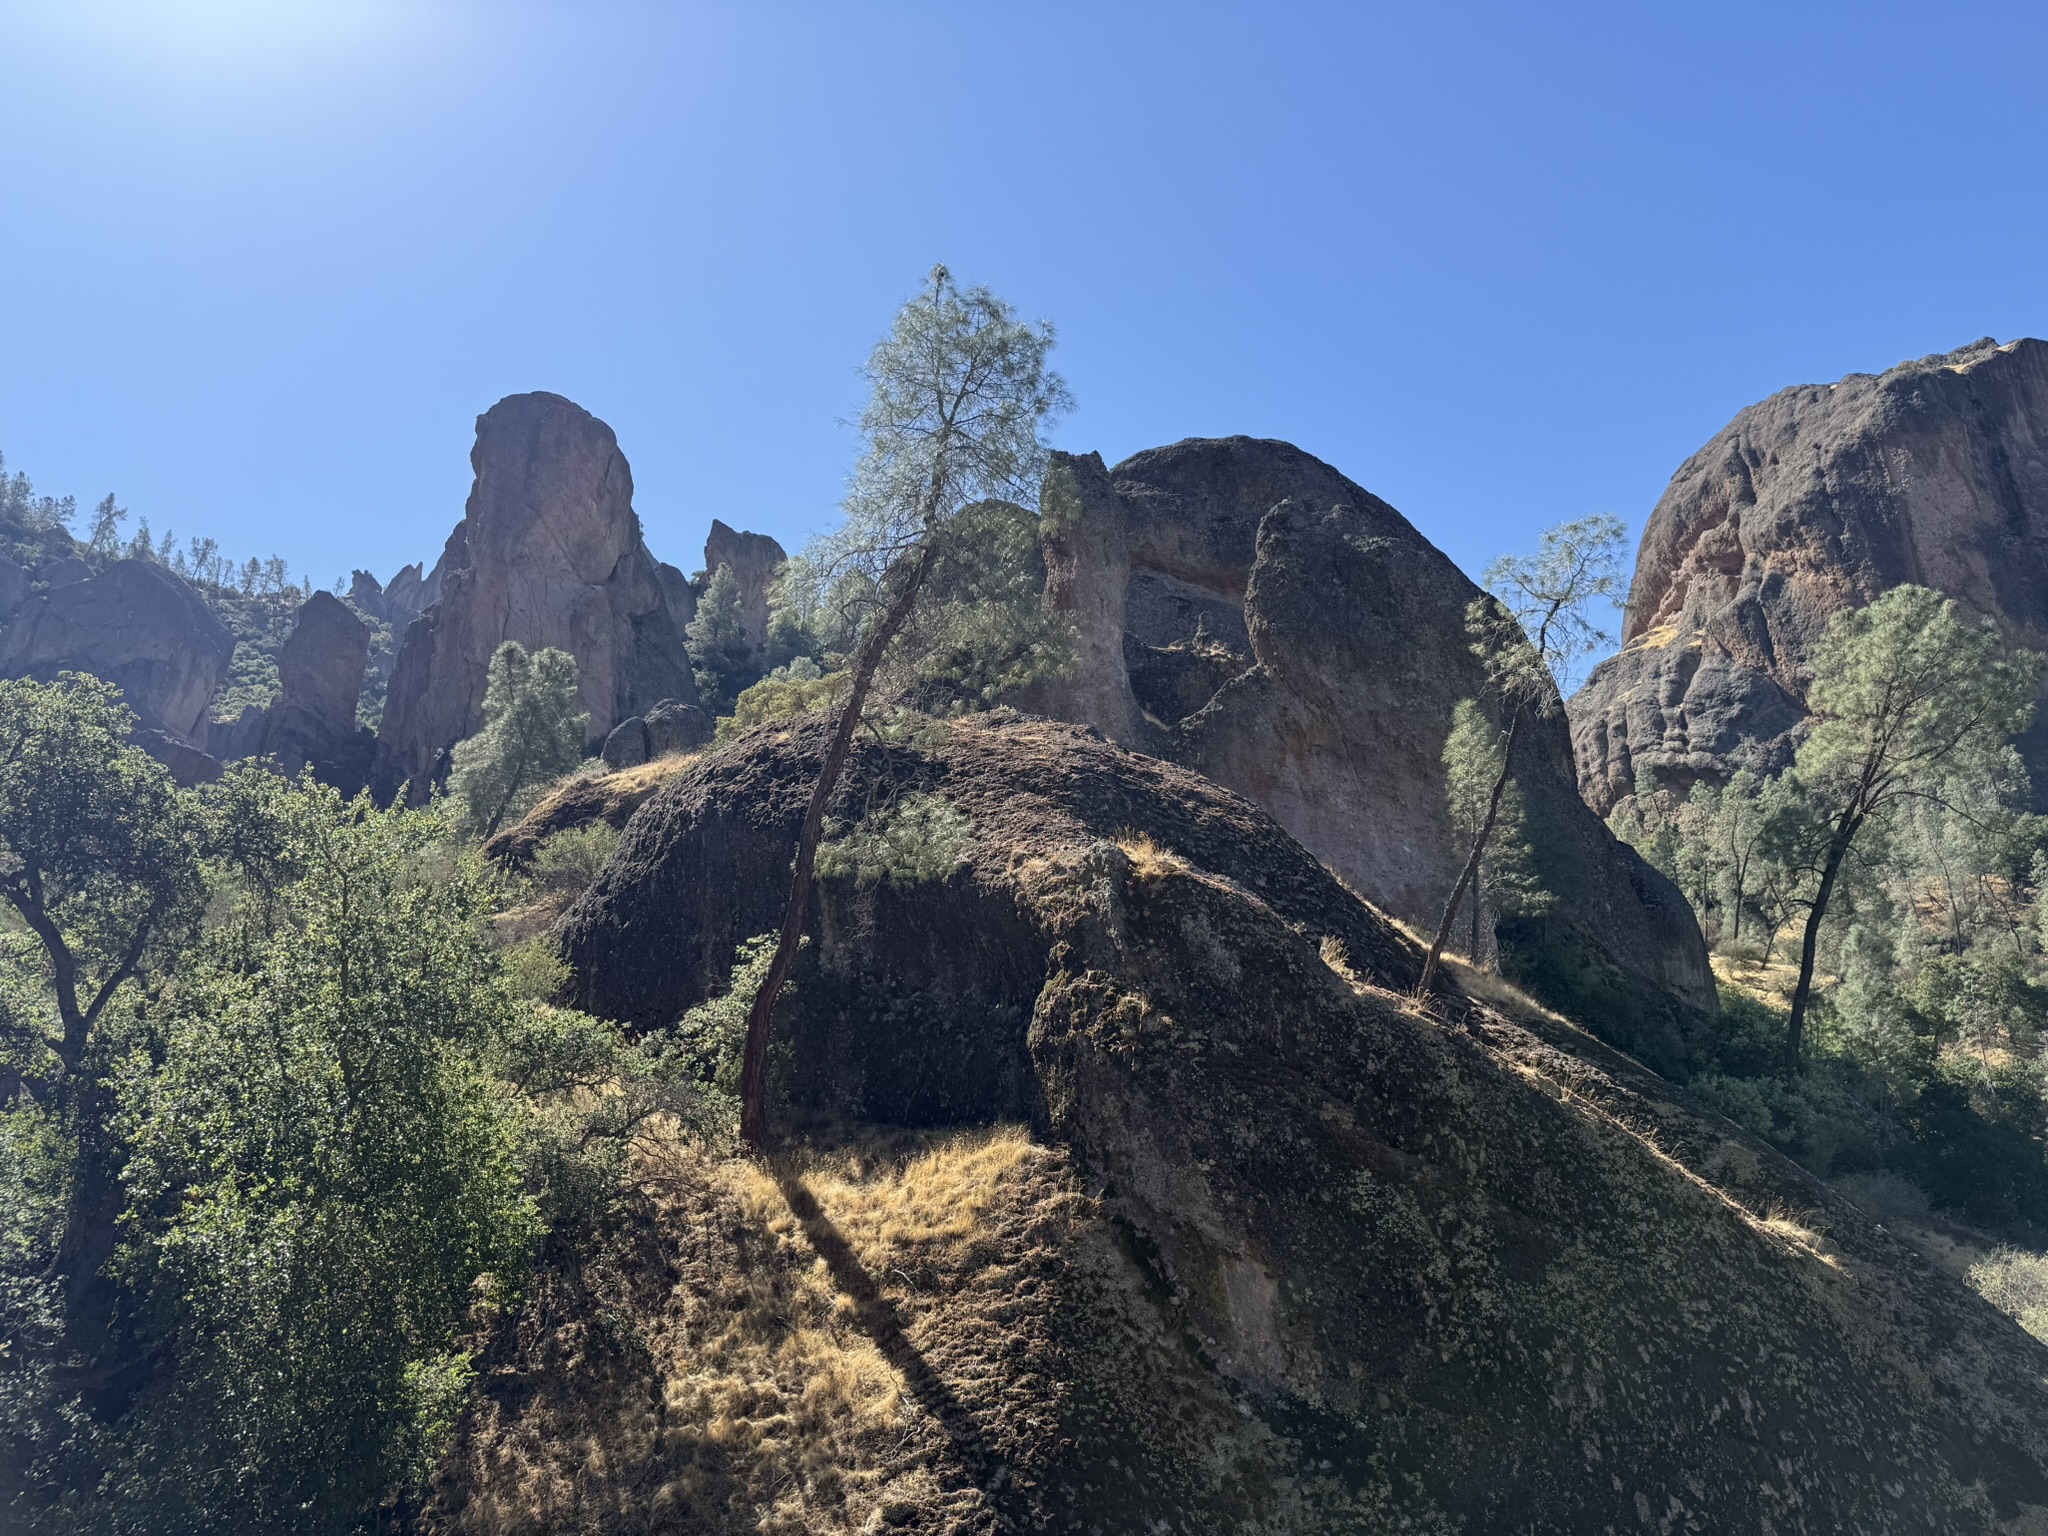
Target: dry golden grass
767, 1400
648, 774
1148, 860
1771, 984
1800, 1232
1482, 986
1333, 954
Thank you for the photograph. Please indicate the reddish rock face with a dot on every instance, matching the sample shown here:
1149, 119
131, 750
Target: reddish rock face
548, 553
1244, 610
1818, 499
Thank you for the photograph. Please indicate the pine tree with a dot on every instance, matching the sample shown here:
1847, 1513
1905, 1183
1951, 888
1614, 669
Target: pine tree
533, 733
720, 652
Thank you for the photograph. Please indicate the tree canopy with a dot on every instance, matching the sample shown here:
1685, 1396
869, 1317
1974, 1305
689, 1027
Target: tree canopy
1911, 696
533, 733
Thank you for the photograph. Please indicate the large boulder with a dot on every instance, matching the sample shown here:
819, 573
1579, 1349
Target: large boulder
1818, 499
1342, 1262
754, 559
548, 553
136, 625
320, 672
1243, 609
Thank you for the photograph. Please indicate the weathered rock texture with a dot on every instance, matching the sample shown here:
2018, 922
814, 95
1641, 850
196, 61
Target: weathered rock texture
136, 625
548, 553
1294, 1255
312, 722
13, 588
397, 602
754, 558
1818, 499
1246, 611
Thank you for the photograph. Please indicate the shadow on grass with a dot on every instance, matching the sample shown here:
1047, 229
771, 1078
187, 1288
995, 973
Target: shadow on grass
878, 1318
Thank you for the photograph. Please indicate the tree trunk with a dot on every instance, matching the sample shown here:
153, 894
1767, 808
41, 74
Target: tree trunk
1470, 874
761, 1015
1802, 994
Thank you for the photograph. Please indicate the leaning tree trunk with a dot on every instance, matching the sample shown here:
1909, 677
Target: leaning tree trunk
907, 580
1469, 876
1802, 994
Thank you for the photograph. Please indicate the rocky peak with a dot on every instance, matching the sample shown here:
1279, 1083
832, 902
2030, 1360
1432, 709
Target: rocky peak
548, 553
397, 602
1245, 610
754, 559
1819, 498
320, 670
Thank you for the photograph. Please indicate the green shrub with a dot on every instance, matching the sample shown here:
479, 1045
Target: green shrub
920, 838
795, 689
1987, 1169
568, 861
2015, 1282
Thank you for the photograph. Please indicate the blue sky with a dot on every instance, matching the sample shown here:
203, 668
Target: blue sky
265, 261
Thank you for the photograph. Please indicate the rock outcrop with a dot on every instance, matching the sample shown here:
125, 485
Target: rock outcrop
548, 553
1285, 1251
136, 625
397, 602
14, 582
754, 559
669, 728
1820, 498
312, 722
1244, 610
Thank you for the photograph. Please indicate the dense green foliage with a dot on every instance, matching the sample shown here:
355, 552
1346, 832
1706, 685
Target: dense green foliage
533, 734
288, 1145
324, 1182
917, 838
1504, 879
1890, 873
721, 655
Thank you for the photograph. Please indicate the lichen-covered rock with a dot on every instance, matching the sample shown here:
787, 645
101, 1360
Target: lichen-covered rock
1299, 1256
136, 625
548, 553
63, 571
1818, 499
1245, 610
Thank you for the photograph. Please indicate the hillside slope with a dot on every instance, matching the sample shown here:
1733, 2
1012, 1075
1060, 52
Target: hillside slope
1280, 1249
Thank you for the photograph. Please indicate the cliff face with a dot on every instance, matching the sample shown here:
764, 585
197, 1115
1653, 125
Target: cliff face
1820, 498
1246, 611
548, 553
145, 630
1263, 1246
